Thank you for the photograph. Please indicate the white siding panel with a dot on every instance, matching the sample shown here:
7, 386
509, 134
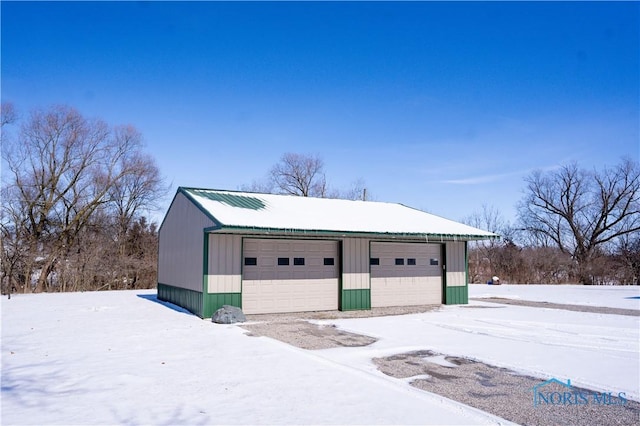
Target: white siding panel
225, 260
181, 244
456, 264
289, 295
355, 263
406, 291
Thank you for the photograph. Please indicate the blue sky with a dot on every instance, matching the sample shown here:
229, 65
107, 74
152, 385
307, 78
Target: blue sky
440, 106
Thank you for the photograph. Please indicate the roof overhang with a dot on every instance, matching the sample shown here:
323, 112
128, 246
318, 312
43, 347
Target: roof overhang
435, 238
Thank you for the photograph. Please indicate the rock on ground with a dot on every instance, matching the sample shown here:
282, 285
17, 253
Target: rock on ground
228, 315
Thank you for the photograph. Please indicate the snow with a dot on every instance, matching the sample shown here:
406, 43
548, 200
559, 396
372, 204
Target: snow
121, 357
284, 212
594, 295
596, 351
439, 360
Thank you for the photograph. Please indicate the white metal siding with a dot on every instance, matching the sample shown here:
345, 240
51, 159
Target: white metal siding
405, 285
355, 266
456, 264
268, 287
180, 245
225, 252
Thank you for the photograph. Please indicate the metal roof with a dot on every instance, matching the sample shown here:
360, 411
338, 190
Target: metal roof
235, 211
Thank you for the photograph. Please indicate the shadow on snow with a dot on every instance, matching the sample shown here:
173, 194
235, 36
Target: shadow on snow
154, 298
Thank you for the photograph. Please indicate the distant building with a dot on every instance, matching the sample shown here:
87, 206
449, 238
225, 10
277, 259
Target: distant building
272, 253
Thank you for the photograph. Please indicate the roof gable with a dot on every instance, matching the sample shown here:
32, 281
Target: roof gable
234, 210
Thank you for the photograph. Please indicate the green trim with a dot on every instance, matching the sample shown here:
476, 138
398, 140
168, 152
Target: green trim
443, 271
190, 194
457, 295
241, 267
356, 299
211, 302
215, 301
466, 265
439, 238
205, 263
233, 200
340, 261
189, 299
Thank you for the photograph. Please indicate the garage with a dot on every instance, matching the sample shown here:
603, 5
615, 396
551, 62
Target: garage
404, 274
281, 275
274, 253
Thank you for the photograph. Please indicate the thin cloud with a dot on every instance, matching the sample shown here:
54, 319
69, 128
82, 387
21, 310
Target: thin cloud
477, 180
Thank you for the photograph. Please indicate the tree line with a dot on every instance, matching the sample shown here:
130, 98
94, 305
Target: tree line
574, 226
76, 193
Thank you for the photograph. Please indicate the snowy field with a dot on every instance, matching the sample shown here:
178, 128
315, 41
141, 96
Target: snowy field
122, 358
627, 297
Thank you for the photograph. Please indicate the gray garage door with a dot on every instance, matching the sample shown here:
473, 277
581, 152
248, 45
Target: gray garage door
289, 275
404, 274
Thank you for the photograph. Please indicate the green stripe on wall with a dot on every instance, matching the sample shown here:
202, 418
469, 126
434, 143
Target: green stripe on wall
214, 301
353, 300
458, 295
185, 298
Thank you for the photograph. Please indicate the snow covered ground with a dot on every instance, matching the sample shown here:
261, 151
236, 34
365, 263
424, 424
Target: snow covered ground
122, 358
596, 351
627, 297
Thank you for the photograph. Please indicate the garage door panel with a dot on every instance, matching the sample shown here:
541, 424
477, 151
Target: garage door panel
282, 247
405, 284
404, 271
300, 275
288, 296
269, 287
267, 261
405, 291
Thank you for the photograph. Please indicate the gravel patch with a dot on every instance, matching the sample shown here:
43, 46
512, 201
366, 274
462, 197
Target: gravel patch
502, 392
294, 328
308, 336
566, 307
320, 315
498, 391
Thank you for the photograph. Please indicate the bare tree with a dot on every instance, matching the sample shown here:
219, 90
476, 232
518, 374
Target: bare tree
262, 186
64, 172
582, 211
139, 187
484, 255
356, 191
628, 254
301, 175
8, 249
8, 114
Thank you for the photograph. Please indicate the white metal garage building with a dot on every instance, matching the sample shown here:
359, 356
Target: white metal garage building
272, 253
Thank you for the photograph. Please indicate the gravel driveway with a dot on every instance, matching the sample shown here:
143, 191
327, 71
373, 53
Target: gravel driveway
502, 392
498, 391
564, 306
